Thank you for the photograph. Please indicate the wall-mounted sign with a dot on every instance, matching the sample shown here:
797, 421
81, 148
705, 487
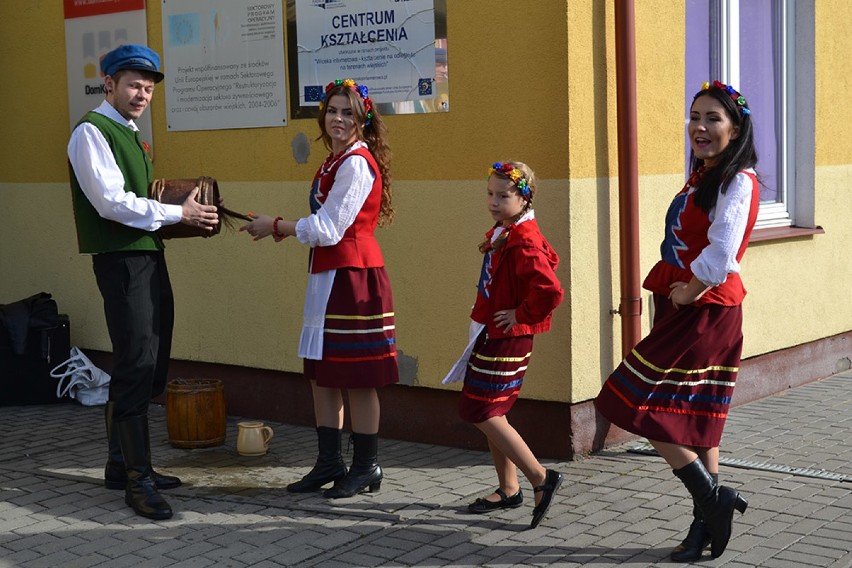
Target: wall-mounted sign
224, 64
397, 48
93, 28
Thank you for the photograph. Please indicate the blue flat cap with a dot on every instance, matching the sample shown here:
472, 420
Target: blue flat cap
131, 56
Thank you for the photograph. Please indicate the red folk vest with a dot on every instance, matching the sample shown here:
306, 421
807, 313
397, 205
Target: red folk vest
688, 224
358, 248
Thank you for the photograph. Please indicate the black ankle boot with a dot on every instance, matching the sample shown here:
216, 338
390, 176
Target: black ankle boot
115, 473
329, 466
140, 493
697, 539
716, 503
365, 471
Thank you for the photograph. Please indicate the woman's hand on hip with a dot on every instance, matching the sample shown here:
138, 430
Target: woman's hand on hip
685, 293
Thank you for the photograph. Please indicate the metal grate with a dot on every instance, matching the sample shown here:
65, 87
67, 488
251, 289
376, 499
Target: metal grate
647, 449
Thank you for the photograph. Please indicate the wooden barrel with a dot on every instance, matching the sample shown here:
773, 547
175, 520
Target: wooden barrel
195, 413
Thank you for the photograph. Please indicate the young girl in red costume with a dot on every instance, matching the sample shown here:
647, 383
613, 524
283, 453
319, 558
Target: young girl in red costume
676, 385
518, 290
348, 339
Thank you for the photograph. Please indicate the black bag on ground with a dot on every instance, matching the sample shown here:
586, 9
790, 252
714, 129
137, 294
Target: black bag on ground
34, 338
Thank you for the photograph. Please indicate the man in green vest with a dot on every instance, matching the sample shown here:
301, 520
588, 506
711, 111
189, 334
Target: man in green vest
110, 172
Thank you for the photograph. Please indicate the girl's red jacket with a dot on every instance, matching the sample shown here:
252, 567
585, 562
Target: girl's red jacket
520, 275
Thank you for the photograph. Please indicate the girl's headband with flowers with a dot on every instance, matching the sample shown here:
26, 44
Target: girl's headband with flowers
738, 99
360, 89
513, 174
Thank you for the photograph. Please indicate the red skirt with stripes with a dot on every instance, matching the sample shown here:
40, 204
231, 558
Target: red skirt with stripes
677, 383
495, 374
359, 339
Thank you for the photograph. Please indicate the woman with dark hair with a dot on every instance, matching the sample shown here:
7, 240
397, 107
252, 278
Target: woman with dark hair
675, 386
348, 335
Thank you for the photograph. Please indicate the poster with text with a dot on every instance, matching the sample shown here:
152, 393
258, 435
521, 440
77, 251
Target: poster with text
224, 64
388, 45
93, 28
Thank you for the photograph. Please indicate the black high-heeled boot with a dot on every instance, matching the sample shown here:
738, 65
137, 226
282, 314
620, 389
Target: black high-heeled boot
365, 472
115, 473
697, 539
716, 503
140, 493
329, 465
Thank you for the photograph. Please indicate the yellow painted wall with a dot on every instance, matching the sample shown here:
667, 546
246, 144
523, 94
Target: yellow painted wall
833, 83
593, 204
798, 288
542, 90
239, 302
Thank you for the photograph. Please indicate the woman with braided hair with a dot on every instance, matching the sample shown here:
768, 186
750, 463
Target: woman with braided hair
518, 291
675, 386
348, 338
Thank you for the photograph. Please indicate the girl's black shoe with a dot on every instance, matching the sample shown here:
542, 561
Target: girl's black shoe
552, 481
483, 505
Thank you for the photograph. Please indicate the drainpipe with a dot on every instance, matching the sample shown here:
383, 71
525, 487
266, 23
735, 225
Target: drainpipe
630, 307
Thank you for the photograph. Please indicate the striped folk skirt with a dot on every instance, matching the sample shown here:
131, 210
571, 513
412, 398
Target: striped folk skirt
495, 374
359, 339
677, 383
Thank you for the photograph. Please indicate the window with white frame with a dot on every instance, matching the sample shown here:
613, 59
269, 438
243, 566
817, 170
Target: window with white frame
764, 49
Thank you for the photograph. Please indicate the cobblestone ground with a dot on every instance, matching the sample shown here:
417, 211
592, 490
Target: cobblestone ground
790, 455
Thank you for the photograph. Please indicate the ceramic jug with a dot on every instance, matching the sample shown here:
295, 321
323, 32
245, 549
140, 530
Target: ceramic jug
253, 438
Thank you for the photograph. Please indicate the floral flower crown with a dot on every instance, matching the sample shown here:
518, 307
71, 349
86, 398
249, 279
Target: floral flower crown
738, 99
360, 89
513, 174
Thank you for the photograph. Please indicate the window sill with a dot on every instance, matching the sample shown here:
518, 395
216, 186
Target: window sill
780, 233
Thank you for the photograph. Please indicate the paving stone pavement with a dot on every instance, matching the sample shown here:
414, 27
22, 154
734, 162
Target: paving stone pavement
620, 507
